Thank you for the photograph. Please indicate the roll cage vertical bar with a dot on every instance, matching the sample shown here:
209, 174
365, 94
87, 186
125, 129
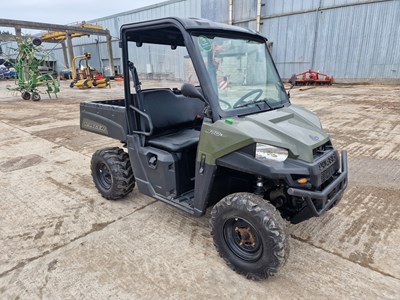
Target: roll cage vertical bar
193, 52
132, 125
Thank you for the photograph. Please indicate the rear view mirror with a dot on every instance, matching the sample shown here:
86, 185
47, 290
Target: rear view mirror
189, 90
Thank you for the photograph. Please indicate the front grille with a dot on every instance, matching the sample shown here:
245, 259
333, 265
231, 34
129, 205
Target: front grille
325, 175
326, 163
327, 167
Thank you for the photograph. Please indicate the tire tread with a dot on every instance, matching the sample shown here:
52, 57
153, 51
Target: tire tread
270, 219
123, 178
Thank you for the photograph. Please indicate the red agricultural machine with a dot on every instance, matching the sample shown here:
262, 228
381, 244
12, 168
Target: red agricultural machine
312, 77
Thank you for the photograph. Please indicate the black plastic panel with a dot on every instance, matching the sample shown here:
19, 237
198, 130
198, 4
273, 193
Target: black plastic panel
105, 117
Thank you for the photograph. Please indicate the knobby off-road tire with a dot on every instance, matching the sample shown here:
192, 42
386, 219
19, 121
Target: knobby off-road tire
112, 173
249, 234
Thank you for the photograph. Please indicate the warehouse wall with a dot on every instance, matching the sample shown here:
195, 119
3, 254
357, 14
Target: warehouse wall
354, 40
96, 45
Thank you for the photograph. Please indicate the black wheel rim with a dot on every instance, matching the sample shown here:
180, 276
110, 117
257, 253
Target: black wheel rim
243, 239
103, 175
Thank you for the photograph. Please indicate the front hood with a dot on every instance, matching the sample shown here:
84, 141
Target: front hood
293, 128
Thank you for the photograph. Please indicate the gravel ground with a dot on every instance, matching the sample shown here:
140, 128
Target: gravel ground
59, 239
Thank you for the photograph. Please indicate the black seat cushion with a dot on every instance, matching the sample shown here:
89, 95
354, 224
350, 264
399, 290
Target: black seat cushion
169, 112
177, 141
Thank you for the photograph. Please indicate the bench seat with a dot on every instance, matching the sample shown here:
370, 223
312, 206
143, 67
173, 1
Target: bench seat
173, 117
176, 141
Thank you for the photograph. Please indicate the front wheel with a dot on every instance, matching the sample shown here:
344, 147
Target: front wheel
249, 234
112, 173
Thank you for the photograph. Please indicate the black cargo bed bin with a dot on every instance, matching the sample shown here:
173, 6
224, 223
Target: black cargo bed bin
105, 117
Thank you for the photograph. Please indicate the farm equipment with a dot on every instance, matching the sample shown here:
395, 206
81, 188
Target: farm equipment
27, 67
312, 77
247, 152
58, 36
84, 76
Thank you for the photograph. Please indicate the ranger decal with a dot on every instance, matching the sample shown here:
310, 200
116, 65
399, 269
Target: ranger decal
94, 126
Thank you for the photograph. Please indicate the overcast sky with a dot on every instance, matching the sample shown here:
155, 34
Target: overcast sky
65, 12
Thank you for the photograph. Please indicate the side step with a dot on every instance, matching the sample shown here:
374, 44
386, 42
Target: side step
184, 202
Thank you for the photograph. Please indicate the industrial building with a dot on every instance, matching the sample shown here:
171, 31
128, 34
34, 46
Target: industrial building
343, 38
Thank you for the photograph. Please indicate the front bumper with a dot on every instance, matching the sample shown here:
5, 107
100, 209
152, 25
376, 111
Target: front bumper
319, 202
316, 201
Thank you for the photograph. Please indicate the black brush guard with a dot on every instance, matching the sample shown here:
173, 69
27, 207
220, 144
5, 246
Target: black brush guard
324, 197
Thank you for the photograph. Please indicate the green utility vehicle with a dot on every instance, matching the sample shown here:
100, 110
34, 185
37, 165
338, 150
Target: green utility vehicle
212, 126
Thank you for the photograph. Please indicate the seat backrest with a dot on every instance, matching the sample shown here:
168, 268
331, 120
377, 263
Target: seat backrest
169, 111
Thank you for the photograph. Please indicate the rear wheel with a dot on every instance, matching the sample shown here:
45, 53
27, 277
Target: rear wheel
112, 173
26, 95
249, 234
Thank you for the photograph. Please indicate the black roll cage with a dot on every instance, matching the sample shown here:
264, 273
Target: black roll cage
186, 28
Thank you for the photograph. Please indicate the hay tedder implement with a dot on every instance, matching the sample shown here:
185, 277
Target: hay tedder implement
27, 64
312, 77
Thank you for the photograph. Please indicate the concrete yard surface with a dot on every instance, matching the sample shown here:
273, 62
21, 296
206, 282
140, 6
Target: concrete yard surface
59, 239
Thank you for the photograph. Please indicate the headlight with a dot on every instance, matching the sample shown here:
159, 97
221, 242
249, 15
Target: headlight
266, 152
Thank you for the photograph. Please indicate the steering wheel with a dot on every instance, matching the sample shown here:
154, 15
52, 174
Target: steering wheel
242, 99
225, 103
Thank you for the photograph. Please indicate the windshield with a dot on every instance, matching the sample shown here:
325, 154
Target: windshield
241, 72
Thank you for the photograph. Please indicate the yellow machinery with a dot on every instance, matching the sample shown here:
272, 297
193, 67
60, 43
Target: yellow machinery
84, 77
56, 36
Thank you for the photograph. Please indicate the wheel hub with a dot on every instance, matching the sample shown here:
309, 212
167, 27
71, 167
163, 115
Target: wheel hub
243, 239
104, 176
246, 236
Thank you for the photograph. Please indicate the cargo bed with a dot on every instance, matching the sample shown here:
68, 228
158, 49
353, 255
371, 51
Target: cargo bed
105, 117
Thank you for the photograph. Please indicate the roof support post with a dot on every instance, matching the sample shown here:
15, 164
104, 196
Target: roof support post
64, 49
70, 50
110, 55
18, 34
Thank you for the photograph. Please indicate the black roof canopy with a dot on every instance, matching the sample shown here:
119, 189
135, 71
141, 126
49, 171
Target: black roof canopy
168, 31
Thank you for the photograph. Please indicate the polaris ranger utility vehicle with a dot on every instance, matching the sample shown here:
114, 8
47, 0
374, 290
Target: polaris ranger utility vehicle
212, 125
